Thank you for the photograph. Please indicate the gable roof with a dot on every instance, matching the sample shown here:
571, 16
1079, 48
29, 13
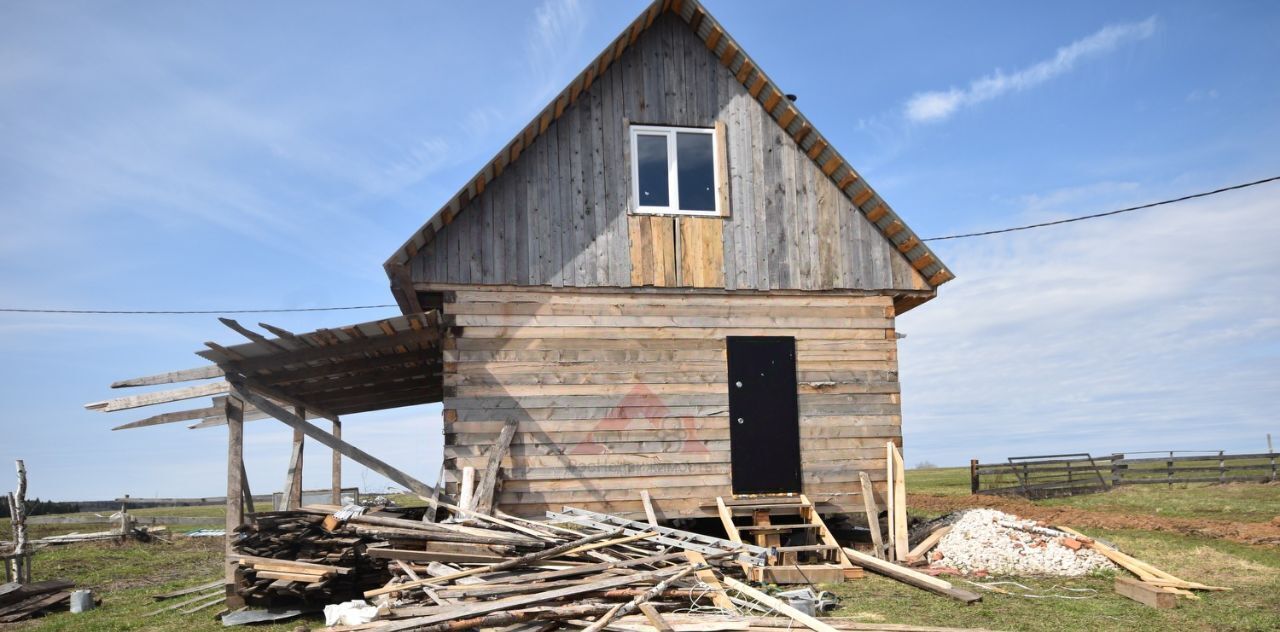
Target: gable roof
752, 77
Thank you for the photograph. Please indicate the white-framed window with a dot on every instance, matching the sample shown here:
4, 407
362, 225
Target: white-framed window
675, 170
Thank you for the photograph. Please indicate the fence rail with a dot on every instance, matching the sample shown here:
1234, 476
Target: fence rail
1215, 468
1056, 475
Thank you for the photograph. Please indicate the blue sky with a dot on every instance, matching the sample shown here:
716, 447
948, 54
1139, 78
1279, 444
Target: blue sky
218, 155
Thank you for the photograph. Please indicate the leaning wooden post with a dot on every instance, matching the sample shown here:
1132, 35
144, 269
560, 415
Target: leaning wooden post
234, 412
336, 476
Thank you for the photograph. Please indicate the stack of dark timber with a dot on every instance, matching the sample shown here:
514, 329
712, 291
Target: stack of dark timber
578, 570
19, 602
289, 557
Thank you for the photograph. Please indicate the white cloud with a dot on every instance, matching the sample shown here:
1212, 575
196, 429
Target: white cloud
557, 30
1149, 331
927, 107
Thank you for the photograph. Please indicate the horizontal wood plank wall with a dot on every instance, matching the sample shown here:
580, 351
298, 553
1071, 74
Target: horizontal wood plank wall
617, 392
558, 214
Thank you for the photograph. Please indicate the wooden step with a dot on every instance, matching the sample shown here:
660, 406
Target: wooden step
778, 527
781, 501
807, 547
769, 506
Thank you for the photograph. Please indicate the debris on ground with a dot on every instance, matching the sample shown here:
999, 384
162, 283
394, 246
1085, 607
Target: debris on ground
986, 541
389, 570
19, 602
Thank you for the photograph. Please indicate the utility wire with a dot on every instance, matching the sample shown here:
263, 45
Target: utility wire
1108, 213
353, 307
187, 311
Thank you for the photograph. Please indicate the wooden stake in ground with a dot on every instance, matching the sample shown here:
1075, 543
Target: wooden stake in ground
18, 519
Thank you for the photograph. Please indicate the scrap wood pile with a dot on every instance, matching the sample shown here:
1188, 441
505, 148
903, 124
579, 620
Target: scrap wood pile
19, 602
290, 557
490, 571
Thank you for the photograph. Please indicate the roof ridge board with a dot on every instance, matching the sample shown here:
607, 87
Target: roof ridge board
761, 88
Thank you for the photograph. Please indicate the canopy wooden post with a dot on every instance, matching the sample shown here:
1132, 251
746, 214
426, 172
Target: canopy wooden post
234, 412
335, 483
291, 498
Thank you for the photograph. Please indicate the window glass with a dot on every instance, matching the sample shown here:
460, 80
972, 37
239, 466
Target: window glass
696, 172
652, 157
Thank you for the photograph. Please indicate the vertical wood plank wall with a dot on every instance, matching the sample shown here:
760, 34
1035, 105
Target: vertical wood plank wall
557, 216
621, 391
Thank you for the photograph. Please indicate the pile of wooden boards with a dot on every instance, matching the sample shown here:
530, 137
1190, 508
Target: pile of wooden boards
19, 602
288, 557
1153, 586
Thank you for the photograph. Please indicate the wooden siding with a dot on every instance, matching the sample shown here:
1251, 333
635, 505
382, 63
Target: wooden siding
558, 216
616, 392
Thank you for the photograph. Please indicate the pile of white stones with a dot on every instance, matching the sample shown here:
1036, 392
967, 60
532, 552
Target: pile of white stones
1002, 544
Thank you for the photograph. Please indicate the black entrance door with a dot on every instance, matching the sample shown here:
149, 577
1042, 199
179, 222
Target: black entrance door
764, 417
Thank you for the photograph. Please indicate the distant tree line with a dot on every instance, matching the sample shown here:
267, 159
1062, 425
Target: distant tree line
37, 507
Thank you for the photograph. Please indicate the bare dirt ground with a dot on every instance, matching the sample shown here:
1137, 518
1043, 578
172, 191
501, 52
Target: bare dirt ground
1243, 532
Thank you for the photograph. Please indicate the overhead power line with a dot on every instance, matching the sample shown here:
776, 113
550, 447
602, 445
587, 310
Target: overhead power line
1108, 213
188, 311
354, 307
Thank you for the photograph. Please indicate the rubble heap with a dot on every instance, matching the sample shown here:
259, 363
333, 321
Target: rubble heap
994, 542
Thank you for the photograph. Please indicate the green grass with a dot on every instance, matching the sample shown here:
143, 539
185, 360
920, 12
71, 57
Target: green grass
1239, 502
125, 576
1254, 572
939, 481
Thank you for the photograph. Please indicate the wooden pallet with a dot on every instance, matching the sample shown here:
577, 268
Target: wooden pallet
811, 554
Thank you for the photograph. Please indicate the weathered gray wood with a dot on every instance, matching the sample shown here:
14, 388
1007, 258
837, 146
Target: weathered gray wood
159, 397
234, 412
291, 498
488, 482
185, 375
669, 77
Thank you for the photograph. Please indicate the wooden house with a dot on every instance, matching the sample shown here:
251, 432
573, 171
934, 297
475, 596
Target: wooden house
668, 281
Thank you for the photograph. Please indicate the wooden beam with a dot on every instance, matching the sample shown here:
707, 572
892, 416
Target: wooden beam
1146, 594
334, 442
467, 488
873, 513
648, 507
186, 375
708, 577
489, 480
779, 605
234, 412
277, 395
910, 577
335, 467
181, 415
159, 397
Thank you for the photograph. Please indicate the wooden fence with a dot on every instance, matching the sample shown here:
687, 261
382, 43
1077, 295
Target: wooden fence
1069, 474
1046, 476
1215, 468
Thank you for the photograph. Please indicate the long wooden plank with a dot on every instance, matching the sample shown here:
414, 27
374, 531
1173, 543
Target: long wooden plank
898, 492
186, 375
512, 603
873, 514
809, 622
913, 578
159, 397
